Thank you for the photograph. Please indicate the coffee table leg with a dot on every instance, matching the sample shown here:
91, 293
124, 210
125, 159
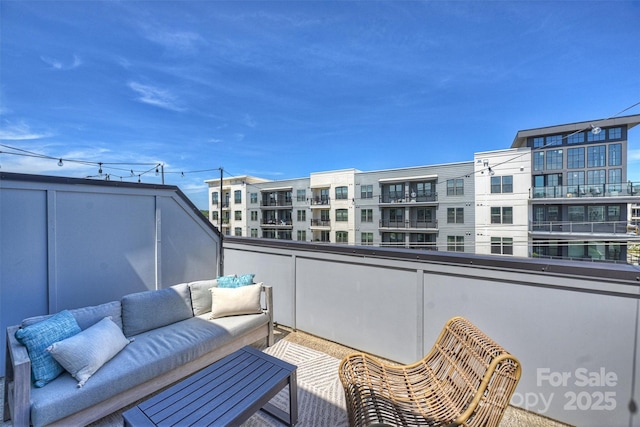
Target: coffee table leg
293, 398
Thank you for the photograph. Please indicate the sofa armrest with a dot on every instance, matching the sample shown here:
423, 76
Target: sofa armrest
268, 300
17, 381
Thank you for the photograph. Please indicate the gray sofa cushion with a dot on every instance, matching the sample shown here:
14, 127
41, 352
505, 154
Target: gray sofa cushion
87, 316
201, 295
144, 311
152, 353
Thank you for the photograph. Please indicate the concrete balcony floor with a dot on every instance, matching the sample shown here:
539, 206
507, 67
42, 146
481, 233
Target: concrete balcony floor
513, 417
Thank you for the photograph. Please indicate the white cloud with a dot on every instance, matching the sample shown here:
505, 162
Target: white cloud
156, 96
249, 121
57, 64
20, 132
180, 42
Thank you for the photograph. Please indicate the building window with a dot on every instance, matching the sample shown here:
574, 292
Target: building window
366, 238
576, 213
301, 195
396, 215
576, 138
455, 187
396, 239
254, 215
595, 177
237, 196
253, 197
538, 142
595, 213
502, 215
342, 237
502, 245
592, 137
455, 215
302, 235
575, 179
615, 133
237, 231
613, 213
366, 215
237, 215
455, 243
342, 214
396, 191
554, 140
615, 154
554, 159
538, 161
302, 216
254, 232
615, 179
502, 184
366, 191
575, 158
214, 216
596, 156
214, 198
341, 193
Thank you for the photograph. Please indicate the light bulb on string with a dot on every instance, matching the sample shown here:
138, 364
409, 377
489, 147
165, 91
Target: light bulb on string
60, 162
100, 168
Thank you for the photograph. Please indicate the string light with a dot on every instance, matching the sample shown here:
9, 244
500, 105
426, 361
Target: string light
60, 163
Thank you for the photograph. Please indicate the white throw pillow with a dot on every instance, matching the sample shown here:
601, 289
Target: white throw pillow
84, 353
235, 301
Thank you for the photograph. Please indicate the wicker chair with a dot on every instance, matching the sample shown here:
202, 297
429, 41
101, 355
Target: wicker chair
465, 380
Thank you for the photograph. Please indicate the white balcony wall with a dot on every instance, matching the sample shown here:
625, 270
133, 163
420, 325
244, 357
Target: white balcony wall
571, 324
69, 243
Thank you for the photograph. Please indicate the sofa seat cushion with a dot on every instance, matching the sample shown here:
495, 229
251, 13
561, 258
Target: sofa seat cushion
151, 354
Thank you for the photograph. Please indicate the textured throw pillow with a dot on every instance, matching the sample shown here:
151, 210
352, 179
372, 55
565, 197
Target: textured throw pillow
39, 336
235, 301
201, 295
84, 353
235, 281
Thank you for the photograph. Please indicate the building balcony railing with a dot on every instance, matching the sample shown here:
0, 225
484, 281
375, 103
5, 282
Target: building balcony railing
320, 223
276, 223
320, 201
428, 198
579, 227
595, 190
275, 203
409, 224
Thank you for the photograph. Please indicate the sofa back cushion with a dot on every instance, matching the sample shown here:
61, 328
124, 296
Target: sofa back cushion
143, 311
87, 316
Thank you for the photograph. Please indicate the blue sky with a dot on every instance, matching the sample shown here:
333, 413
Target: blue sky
281, 89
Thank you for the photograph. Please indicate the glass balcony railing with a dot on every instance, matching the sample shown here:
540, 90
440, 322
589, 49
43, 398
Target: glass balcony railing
587, 190
601, 227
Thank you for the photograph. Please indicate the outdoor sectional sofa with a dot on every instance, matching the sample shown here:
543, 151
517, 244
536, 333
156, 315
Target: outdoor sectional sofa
168, 335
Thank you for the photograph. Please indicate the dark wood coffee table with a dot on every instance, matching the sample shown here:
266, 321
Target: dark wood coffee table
227, 392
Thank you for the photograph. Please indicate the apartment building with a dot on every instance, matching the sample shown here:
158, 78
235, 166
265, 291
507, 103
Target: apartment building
427, 207
559, 191
580, 194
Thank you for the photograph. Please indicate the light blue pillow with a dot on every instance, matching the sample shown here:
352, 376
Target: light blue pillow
235, 282
39, 336
143, 311
84, 353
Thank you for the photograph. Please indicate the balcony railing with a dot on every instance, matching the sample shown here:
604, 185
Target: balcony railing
386, 198
276, 203
602, 227
320, 201
408, 224
277, 223
320, 223
596, 190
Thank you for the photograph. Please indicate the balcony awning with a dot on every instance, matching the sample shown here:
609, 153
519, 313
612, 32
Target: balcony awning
276, 189
409, 178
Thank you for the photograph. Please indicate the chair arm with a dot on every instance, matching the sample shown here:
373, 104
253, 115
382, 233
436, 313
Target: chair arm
17, 383
268, 301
